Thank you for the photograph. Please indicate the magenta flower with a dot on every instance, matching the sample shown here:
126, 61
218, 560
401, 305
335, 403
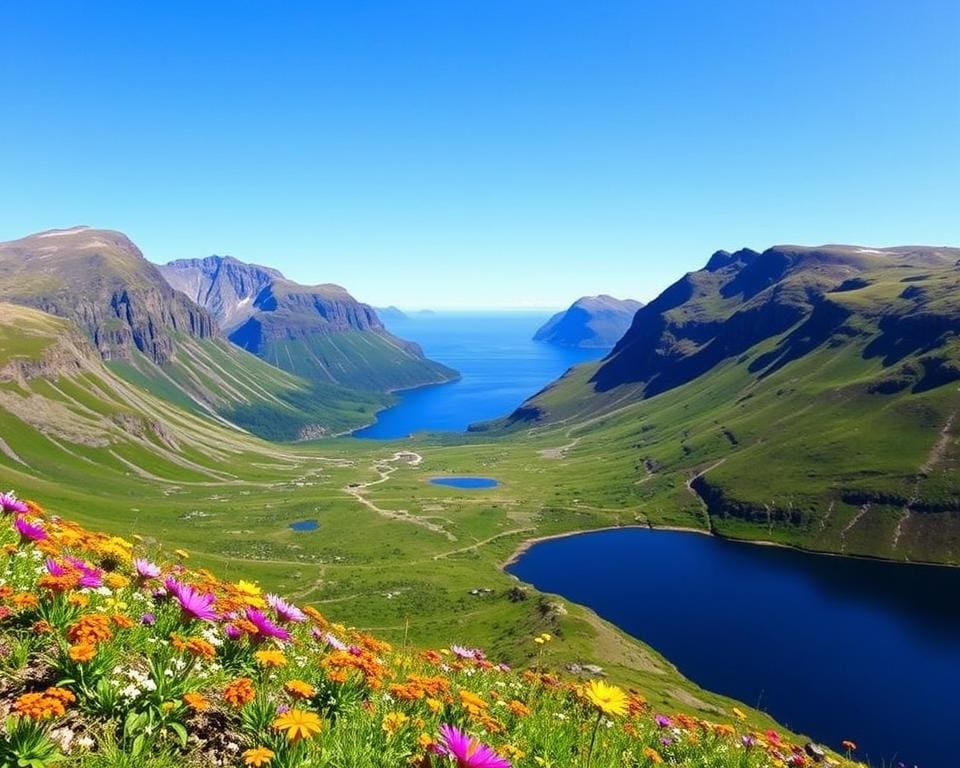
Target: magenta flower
54, 568
91, 577
29, 531
470, 752
145, 569
463, 653
193, 604
265, 627
232, 632
286, 612
663, 721
10, 503
148, 619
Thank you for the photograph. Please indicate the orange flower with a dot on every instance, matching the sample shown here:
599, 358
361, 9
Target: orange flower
519, 708
298, 724
257, 756
472, 703
652, 755
122, 622
196, 701
24, 600
299, 689
91, 629
82, 652
239, 692
41, 706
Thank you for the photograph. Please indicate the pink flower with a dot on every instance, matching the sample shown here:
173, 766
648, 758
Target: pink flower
91, 577
330, 639
285, 611
29, 531
264, 626
54, 568
193, 604
470, 752
10, 503
145, 569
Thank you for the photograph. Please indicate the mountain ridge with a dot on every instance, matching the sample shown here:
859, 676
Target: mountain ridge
591, 322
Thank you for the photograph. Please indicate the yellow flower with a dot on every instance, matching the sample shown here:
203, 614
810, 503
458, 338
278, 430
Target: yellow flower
250, 593
298, 724
299, 689
393, 722
257, 756
270, 658
609, 699
739, 713
182, 554
435, 705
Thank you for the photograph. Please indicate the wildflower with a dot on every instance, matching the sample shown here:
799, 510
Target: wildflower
196, 701
264, 626
608, 699
285, 611
148, 619
257, 756
90, 629
393, 722
193, 604
298, 724
182, 554
463, 653
82, 652
739, 713
145, 569
472, 703
10, 503
518, 708
239, 692
270, 658
652, 755
662, 721
848, 745
469, 752
29, 531
299, 689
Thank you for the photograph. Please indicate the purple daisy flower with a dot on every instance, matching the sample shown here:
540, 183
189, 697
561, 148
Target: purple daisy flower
10, 503
286, 612
145, 569
663, 721
265, 627
29, 531
470, 752
193, 604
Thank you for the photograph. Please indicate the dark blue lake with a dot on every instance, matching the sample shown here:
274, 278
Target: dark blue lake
499, 363
305, 525
470, 483
833, 647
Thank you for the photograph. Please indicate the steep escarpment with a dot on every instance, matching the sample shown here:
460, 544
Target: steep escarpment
320, 332
100, 280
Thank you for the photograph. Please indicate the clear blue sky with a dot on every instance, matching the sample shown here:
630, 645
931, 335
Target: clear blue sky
485, 153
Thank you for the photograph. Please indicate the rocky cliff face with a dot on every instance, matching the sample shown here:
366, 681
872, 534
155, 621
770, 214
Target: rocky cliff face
223, 285
100, 280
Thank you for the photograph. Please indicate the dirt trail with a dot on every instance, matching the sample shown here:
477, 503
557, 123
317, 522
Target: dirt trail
697, 496
856, 519
384, 469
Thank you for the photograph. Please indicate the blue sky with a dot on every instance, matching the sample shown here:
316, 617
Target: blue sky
480, 154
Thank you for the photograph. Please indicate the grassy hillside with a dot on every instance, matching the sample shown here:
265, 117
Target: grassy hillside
825, 415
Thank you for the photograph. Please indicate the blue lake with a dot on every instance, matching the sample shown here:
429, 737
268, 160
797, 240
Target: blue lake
470, 483
499, 364
836, 648
305, 525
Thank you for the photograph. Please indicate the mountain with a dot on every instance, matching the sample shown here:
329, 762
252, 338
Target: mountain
161, 341
391, 314
804, 395
318, 332
590, 322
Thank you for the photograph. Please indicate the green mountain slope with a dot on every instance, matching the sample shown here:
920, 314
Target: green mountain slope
157, 338
318, 332
807, 396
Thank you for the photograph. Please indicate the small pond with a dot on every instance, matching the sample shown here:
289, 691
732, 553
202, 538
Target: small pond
305, 525
470, 483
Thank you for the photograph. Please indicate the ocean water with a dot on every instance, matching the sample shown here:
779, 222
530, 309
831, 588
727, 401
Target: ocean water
837, 648
499, 364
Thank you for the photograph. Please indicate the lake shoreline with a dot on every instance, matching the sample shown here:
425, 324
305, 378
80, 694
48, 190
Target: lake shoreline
526, 545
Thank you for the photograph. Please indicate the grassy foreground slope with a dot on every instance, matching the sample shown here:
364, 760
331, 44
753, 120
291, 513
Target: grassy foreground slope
116, 655
804, 396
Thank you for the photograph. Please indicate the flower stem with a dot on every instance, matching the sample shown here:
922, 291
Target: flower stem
593, 738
